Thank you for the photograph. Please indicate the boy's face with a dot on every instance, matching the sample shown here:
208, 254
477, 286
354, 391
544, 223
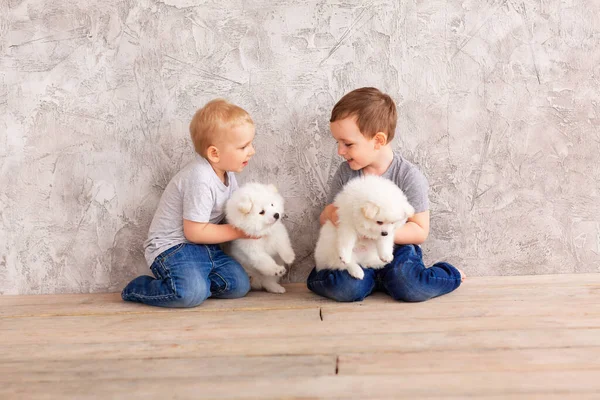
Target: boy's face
236, 148
352, 145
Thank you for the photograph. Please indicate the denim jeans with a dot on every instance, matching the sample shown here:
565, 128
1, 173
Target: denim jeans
405, 279
187, 274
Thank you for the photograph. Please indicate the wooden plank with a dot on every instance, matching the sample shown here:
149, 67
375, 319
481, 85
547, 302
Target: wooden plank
429, 310
534, 280
291, 344
110, 304
298, 296
557, 288
157, 327
355, 387
393, 321
470, 360
404, 318
163, 368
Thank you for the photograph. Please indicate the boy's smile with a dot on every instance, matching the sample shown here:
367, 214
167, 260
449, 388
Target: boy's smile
357, 150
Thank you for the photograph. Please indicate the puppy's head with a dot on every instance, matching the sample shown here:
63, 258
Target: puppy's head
375, 220
379, 206
255, 208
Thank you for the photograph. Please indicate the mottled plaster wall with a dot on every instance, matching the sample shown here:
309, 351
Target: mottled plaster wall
498, 100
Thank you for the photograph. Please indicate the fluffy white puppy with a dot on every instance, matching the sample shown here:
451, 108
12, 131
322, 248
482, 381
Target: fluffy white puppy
256, 209
370, 208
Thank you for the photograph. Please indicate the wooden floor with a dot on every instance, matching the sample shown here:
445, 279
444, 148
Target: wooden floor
494, 338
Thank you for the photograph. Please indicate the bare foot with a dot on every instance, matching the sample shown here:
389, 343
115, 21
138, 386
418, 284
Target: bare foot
462, 275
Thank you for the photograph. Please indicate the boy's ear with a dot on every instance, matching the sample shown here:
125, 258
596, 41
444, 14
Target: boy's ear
245, 205
370, 210
380, 139
213, 154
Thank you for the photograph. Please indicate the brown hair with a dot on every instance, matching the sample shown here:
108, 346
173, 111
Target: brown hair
374, 110
209, 121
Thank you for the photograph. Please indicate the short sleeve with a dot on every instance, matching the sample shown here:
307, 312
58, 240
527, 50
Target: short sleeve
416, 189
197, 201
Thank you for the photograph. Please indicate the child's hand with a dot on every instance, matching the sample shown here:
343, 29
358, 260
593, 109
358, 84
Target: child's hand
244, 235
331, 214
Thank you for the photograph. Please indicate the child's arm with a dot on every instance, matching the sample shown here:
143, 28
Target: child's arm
206, 233
415, 231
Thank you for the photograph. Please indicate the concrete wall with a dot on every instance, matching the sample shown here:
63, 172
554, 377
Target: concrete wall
498, 101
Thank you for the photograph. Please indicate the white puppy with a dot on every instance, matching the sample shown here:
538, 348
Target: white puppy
256, 209
370, 208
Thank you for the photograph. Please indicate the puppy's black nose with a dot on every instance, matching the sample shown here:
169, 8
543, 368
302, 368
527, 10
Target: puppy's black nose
384, 234
276, 215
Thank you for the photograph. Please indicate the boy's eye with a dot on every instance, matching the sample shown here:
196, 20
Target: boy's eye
262, 212
379, 222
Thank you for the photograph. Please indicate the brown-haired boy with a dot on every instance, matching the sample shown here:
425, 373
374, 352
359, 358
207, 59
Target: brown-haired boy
363, 123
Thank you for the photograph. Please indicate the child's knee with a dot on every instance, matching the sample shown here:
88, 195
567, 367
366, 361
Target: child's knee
239, 287
190, 294
338, 285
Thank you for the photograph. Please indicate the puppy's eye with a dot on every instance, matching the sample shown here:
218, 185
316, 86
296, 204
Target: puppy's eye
379, 222
262, 212
272, 205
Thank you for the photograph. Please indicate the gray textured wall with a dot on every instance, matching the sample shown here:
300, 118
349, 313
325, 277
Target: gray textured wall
499, 105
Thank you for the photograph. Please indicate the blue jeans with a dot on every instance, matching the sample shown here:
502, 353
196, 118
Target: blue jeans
187, 274
405, 279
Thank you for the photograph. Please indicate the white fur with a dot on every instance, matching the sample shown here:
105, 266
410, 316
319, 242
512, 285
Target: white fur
358, 239
257, 255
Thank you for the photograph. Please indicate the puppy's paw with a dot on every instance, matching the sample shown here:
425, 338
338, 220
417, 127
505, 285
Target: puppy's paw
273, 287
387, 257
288, 258
356, 271
278, 270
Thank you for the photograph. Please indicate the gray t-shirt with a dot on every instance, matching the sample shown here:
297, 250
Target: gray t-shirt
404, 174
197, 194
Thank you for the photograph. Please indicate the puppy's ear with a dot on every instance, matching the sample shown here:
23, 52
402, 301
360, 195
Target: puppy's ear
370, 210
245, 205
272, 188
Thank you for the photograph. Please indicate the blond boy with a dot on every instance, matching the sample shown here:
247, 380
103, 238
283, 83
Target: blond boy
182, 249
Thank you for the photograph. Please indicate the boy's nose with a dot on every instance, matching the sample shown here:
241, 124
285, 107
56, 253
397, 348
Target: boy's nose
341, 150
276, 216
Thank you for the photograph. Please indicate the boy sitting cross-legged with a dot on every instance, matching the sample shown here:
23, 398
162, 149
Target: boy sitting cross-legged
363, 123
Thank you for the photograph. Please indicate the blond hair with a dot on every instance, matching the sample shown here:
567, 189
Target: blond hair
208, 123
374, 110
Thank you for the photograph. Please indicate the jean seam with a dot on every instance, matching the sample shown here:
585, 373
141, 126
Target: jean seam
212, 262
179, 247
167, 271
224, 280
152, 297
